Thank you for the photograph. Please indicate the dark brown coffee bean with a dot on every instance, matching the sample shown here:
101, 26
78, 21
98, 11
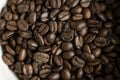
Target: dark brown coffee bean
12, 42
22, 8
35, 67
39, 38
55, 3
35, 78
11, 25
72, 3
22, 54
65, 74
102, 17
64, 15
97, 52
58, 60
79, 42
32, 6
88, 56
32, 44
45, 71
80, 73
77, 17
10, 50
108, 68
25, 34
88, 69
18, 67
8, 59
41, 57
44, 49
89, 38
86, 13
66, 46
104, 59
83, 31
7, 35
67, 65
86, 48
43, 29
23, 25
8, 16
28, 69
54, 76
32, 17
53, 26
76, 10
103, 32
54, 13
85, 3
44, 16
78, 62
2, 24
15, 17
68, 55
51, 38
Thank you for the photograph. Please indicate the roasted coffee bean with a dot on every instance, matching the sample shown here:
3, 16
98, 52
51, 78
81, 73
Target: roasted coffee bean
72, 3
65, 74
55, 3
58, 60
35, 78
2, 24
64, 15
44, 16
66, 46
79, 42
83, 31
88, 56
32, 6
23, 25
43, 29
35, 67
53, 26
51, 38
11, 25
8, 59
78, 62
39, 38
22, 54
67, 65
18, 67
32, 17
41, 57
54, 13
86, 48
54, 76
8, 16
86, 13
45, 71
25, 34
22, 8
85, 3
76, 10
28, 69
89, 38
44, 49
88, 69
7, 35
68, 55
77, 17
10, 50
32, 44
97, 52
12, 42
80, 73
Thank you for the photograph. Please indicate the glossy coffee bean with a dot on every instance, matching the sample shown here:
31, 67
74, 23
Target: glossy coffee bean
68, 55
65, 74
28, 69
54, 76
66, 46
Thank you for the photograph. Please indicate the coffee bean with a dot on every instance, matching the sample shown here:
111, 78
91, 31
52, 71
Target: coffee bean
7, 35
22, 54
43, 29
97, 52
25, 34
88, 69
45, 71
44, 49
22, 8
8, 59
32, 6
86, 48
44, 17
79, 42
67, 65
11, 25
58, 60
8, 16
72, 3
85, 3
68, 55
18, 67
41, 57
23, 25
35, 78
76, 10
78, 62
51, 38
32, 17
64, 15
65, 74
88, 56
89, 38
55, 3
12, 42
53, 26
28, 69
2, 24
54, 76
80, 73
54, 13
10, 50
32, 44
39, 38
77, 17
83, 31
86, 13
66, 46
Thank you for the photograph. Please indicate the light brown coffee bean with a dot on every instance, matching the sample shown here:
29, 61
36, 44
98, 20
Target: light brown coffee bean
44, 16
28, 69
85, 3
41, 57
86, 13
8, 59
8, 16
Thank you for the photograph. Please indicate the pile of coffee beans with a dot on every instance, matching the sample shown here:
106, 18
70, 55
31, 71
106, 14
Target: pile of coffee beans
61, 39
